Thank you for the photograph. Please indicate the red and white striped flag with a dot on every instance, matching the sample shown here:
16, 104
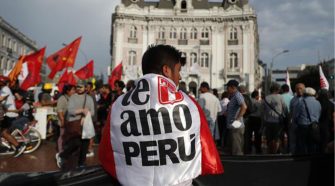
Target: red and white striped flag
323, 80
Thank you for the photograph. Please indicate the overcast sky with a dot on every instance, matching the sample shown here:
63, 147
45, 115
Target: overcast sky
304, 27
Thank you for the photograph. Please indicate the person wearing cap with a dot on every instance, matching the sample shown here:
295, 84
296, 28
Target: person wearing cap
210, 104
235, 125
307, 111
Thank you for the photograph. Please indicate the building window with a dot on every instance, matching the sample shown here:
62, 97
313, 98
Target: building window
132, 58
161, 33
193, 58
3, 40
2, 62
205, 33
204, 60
183, 33
233, 61
194, 33
183, 5
9, 43
133, 31
233, 33
14, 46
173, 33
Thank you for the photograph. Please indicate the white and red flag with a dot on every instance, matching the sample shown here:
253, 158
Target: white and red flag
288, 82
156, 135
323, 80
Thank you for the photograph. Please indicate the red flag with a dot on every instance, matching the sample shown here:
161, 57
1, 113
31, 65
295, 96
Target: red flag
15, 72
63, 58
116, 75
34, 62
323, 80
86, 71
66, 78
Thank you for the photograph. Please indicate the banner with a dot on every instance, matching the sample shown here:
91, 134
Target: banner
158, 134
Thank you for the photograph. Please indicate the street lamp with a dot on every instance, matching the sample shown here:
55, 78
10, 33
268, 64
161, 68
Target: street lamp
272, 61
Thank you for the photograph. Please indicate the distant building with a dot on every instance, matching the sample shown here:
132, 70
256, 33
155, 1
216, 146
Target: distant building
13, 44
279, 76
219, 39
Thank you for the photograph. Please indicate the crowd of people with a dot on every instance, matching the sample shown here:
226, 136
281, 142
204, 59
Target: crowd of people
277, 123
239, 121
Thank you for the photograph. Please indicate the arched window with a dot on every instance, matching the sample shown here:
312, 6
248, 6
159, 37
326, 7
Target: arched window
161, 34
183, 5
183, 33
233, 61
204, 60
205, 33
173, 33
193, 58
133, 31
132, 58
233, 33
194, 33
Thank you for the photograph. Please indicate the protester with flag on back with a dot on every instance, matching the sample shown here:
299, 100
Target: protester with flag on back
156, 135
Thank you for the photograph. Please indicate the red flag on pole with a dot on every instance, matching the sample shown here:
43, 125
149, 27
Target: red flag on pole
34, 63
323, 80
66, 78
63, 58
116, 75
86, 71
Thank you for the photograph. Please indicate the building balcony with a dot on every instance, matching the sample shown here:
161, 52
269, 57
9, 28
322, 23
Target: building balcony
182, 41
234, 70
233, 42
160, 41
132, 40
204, 42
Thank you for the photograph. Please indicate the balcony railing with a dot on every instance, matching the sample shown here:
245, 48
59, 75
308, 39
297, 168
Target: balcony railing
161, 41
233, 42
204, 42
132, 40
182, 41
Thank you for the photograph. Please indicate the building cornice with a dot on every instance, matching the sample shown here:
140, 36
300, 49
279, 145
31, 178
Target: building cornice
20, 36
217, 19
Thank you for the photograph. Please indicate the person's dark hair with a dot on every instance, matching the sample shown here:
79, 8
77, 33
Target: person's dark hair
254, 94
157, 56
285, 88
204, 85
130, 84
120, 84
66, 88
275, 87
225, 94
215, 92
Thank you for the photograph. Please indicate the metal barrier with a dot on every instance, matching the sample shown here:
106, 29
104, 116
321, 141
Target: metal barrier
239, 170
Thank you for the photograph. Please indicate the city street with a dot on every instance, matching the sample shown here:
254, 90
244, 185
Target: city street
42, 160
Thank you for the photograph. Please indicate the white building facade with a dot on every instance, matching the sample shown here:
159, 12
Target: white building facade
219, 39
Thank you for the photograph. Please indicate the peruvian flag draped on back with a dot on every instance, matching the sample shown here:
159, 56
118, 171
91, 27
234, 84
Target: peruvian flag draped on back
116, 75
323, 80
156, 135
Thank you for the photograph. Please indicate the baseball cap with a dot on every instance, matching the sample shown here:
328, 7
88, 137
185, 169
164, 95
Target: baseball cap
232, 82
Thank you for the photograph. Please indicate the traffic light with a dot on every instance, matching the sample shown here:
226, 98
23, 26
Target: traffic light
331, 77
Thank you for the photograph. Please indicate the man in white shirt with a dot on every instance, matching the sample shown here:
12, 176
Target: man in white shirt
210, 104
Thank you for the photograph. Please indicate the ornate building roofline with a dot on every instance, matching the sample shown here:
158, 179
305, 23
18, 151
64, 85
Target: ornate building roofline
23, 38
